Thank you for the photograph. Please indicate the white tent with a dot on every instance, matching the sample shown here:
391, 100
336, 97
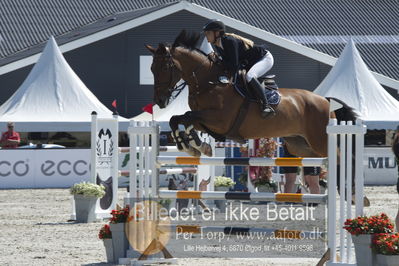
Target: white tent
53, 98
178, 107
352, 82
144, 116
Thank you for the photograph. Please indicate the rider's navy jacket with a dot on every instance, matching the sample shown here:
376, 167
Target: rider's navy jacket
235, 55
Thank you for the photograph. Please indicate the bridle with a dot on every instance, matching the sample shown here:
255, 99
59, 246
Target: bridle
177, 89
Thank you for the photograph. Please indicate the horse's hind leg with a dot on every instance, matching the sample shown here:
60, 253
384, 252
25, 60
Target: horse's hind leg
298, 146
318, 140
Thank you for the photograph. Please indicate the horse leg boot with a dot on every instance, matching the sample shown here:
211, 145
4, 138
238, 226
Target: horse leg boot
181, 138
197, 143
260, 94
193, 138
174, 126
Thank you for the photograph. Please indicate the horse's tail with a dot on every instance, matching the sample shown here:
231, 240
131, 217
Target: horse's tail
345, 113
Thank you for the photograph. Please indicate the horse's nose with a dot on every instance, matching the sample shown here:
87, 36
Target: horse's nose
161, 104
162, 101
159, 101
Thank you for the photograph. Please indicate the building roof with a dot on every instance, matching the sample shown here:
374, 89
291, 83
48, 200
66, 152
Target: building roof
325, 26
25, 23
76, 34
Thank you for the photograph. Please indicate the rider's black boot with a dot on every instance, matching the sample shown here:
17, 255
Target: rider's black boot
260, 94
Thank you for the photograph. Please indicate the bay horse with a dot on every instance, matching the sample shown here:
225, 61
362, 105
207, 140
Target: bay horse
301, 116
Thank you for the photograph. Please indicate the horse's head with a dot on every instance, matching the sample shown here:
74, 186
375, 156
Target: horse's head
166, 74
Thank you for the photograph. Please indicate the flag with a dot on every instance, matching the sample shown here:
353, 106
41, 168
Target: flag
114, 104
148, 108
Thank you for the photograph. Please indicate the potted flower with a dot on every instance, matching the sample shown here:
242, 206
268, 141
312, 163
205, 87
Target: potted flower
362, 230
106, 236
386, 246
119, 236
222, 183
85, 196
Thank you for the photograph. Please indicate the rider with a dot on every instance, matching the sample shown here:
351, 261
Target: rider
235, 51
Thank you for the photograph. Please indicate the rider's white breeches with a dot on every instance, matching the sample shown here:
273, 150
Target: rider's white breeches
261, 67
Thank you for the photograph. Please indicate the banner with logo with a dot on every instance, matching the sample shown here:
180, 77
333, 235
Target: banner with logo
16, 169
104, 144
380, 166
48, 168
58, 163
44, 168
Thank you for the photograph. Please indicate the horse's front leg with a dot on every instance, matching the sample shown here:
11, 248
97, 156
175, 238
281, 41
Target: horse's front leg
196, 142
193, 120
180, 137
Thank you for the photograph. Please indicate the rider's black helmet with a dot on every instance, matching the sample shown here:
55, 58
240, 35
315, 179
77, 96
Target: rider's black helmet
214, 25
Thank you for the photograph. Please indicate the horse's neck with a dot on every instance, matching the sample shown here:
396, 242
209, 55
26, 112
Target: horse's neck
201, 76
196, 68
190, 60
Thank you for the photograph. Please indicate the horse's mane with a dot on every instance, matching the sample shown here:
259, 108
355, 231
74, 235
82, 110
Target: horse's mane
188, 42
186, 39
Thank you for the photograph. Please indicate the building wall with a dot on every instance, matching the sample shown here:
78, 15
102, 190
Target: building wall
110, 67
11, 81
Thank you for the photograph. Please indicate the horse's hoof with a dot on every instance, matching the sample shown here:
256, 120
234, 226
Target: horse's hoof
366, 202
193, 152
323, 183
206, 149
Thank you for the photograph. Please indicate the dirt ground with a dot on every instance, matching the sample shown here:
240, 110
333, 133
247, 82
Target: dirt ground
35, 230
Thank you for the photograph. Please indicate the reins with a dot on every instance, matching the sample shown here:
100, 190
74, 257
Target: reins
193, 77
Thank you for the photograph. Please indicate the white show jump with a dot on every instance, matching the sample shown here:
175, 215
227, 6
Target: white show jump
144, 184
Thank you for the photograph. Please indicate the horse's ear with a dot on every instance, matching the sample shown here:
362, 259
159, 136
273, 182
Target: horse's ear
162, 48
150, 48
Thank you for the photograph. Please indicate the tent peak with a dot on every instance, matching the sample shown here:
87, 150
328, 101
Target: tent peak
352, 82
52, 94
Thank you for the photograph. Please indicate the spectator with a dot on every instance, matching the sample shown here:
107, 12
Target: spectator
311, 176
290, 173
311, 179
10, 139
395, 149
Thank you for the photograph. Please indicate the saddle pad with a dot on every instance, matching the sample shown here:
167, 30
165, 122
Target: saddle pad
273, 97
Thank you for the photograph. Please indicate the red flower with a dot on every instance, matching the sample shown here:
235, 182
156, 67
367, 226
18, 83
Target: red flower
119, 216
105, 232
369, 225
387, 244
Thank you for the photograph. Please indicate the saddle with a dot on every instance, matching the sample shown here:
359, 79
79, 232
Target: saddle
245, 90
272, 95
